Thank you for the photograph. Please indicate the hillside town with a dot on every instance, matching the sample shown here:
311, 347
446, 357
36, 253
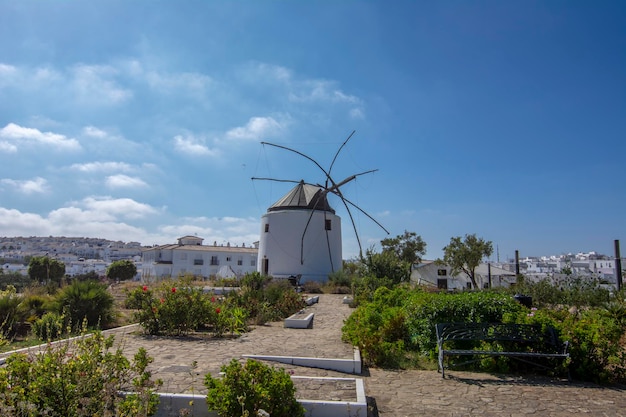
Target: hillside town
82, 255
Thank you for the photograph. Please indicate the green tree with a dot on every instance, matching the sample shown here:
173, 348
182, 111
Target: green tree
387, 265
123, 270
46, 269
408, 247
466, 254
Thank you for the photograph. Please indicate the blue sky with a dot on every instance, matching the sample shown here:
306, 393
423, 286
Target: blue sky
143, 120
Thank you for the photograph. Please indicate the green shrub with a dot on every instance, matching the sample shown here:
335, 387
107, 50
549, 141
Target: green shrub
403, 320
575, 291
425, 310
243, 390
254, 281
35, 306
397, 324
364, 287
49, 327
339, 278
595, 337
81, 379
86, 300
312, 287
10, 315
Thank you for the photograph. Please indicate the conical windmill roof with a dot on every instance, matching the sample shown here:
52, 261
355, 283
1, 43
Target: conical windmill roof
303, 197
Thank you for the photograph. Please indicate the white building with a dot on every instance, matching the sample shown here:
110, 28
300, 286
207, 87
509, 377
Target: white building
300, 236
436, 274
190, 256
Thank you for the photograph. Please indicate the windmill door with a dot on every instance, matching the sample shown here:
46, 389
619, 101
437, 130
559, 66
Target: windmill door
266, 266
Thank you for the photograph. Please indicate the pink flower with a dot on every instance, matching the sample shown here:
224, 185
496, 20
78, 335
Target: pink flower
217, 310
173, 289
162, 300
145, 288
213, 299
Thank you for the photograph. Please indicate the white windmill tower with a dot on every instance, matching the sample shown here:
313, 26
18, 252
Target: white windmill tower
300, 233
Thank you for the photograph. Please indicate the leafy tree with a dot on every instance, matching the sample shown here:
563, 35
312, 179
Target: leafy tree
408, 247
466, 254
123, 270
89, 276
19, 281
398, 255
387, 265
46, 269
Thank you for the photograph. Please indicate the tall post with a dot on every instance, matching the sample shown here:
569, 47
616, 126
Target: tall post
489, 273
516, 262
618, 266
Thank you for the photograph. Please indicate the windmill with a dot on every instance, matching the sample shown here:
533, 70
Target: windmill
300, 233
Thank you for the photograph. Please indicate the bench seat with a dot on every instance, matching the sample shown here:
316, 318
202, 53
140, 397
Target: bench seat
530, 342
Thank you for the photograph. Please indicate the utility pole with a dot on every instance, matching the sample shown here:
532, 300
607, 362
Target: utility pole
618, 266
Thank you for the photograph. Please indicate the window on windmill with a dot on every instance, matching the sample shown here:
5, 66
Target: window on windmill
267, 227
228, 259
328, 224
239, 261
442, 272
214, 260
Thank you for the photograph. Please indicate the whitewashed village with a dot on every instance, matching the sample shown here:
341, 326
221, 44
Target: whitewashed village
300, 236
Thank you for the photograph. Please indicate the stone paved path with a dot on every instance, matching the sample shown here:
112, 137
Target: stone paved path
391, 393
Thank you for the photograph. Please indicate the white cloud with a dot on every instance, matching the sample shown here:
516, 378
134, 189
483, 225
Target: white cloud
257, 128
94, 218
193, 146
357, 113
321, 91
260, 71
124, 181
15, 135
16, 223
37, 185
94, 132
219, 230
7, 73
7, 147
95, 84
118, 207
190, 83
90, 167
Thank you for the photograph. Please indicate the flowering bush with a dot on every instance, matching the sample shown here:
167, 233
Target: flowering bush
247, 389
81, 379
171, 308
177, 307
